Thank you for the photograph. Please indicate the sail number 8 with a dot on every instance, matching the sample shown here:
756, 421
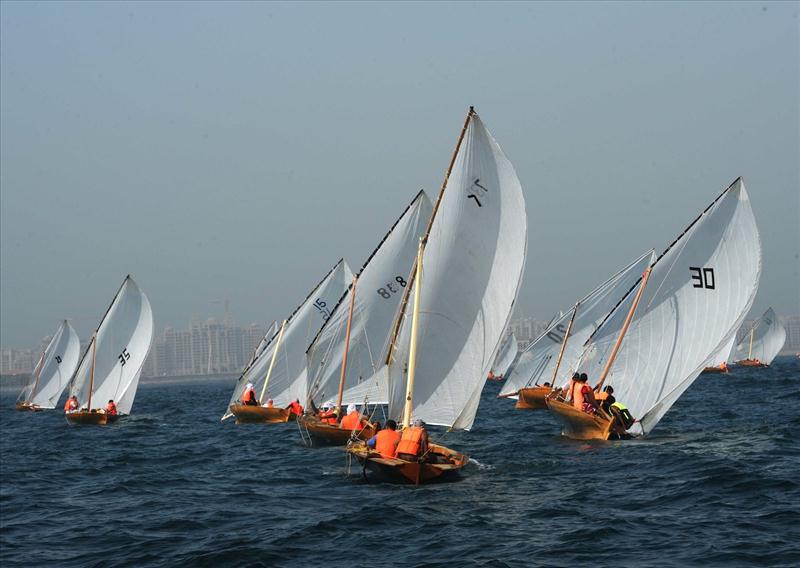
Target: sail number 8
704, 277
391, 288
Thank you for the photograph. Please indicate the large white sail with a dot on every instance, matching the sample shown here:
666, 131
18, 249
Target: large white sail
113, 362
537, 362
287, 381
768, 337
379, 290
54, 369
505, 356
471, 271
697, 295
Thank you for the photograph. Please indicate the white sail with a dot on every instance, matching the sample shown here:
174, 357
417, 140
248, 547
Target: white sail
698, 293
472, 268
379, 290
723, 354
505, 356
769, 335
287, 381
117, 352
538, 362
54, 369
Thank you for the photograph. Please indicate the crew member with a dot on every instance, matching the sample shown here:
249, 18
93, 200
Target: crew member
295, 407
606, 398
352, 421
413, 444
386, 440
72, 404
327, 415
583, 396
270, 403
111, 408
249, 395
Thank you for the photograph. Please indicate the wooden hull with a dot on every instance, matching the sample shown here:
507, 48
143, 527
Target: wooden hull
579, 425
401, 471
27, 406
751, 363
321, 434
260, 415
533, 398
716, 370
86, 417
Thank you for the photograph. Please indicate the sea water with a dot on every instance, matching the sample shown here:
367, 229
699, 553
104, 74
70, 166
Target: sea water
716, 484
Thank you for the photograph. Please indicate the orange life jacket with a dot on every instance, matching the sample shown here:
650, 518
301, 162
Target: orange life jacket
386, 442
577, 395
71, 404
295, 408
328, 417
111, 408
352, 420
601, 396
249, 396
410, 441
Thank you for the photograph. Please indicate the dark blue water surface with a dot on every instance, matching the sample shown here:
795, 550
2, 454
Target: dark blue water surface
716, 484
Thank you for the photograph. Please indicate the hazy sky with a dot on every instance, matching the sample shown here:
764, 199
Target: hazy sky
237, 151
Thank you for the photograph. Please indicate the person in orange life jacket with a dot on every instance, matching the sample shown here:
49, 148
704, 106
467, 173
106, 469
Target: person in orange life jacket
386, 440
249, 395
295, 407
328, 414
72, 404
111, 408
413, 443
352, 420
606, 398
583, 396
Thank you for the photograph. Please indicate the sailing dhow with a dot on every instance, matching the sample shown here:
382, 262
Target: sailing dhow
506, 357
687, 305
277, 375
469, 268
53, 371
112, 363
346, 359
763, 342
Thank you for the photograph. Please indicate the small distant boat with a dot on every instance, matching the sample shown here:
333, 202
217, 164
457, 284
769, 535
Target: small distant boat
763, 342
721, 358
444, 340
506, 357
278, 371
685, 308
53, 371
345, 359
112, 363
550, 359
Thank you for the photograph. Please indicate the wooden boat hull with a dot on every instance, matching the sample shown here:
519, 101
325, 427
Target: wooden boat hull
86, 417
751, 363
716, 370
246, 414
401, 471
321, 434
27, 406
533, 398
579, 425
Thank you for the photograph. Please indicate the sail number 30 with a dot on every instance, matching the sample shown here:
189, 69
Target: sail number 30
704, 277
390, 288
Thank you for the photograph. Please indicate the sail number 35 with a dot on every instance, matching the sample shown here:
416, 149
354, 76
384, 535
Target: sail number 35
124, 356
391, 288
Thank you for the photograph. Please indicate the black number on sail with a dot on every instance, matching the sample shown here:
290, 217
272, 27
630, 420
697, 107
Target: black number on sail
124, 356
389, 288
557, 334
704, 277
58, 359
477, 191
322, 308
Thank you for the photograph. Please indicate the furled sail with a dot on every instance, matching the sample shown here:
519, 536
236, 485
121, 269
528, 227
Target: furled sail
538, 361
767, 337
471, 271
378, 292
287, 381
698, 293
54, 369
112, 363
505, 357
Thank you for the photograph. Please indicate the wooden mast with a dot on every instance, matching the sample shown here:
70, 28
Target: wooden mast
346, 347
750, 349
91, 373
272, 363
563, 346
412, 351
628, 318
424, 239
39, 366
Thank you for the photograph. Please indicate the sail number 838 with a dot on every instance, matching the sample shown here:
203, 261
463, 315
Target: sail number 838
391, 288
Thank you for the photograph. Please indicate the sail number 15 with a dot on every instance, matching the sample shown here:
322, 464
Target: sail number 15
391, 288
